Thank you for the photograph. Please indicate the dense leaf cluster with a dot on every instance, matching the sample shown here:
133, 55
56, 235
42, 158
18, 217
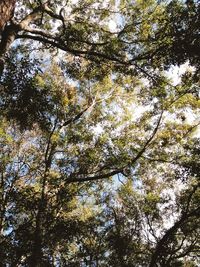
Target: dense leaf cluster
99, 161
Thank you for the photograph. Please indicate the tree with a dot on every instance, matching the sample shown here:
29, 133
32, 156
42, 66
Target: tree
143, 230
182, 22
142, 34
102, 108
6, 9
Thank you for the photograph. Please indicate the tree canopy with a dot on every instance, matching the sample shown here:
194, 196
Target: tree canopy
99, 138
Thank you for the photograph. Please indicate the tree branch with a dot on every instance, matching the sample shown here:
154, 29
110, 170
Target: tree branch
64, 47
74, 119
119, 170
57, 43
169, 233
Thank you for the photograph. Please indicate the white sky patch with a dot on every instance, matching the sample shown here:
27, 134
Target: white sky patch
137, 111
175, 72
98, 129
74, 2
171, 216
196, 133
112, 26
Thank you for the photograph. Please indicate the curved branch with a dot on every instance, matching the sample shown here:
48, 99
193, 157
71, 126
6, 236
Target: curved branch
56, 42
119, 170
64, 47
169, 233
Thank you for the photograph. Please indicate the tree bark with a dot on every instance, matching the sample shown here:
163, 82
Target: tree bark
6, 12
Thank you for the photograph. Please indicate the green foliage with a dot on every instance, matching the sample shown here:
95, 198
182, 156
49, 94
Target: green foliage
100, 150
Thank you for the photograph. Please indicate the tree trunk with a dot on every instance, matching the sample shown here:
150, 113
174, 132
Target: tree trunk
6, 12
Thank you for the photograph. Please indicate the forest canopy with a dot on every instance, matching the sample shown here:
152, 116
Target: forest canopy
99, 133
